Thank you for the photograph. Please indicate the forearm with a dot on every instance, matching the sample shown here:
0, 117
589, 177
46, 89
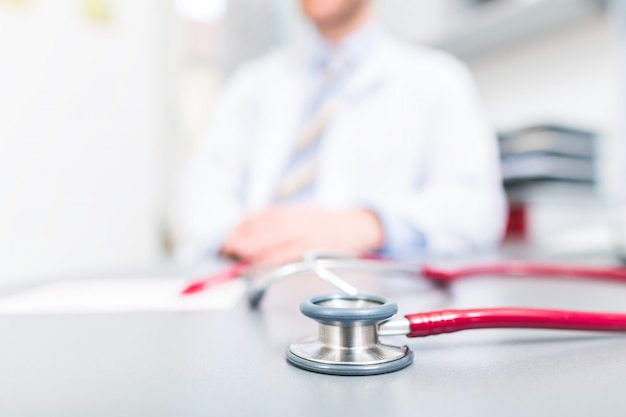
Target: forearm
442, 220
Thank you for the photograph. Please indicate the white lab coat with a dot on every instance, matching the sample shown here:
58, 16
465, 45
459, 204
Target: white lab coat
410, 139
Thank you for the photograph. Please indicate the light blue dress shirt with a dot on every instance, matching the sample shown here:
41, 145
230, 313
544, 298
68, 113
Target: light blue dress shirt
340, 61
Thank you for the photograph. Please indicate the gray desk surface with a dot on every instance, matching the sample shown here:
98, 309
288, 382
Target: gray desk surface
233, 363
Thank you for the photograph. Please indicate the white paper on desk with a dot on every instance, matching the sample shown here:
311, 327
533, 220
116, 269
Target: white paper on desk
120, 295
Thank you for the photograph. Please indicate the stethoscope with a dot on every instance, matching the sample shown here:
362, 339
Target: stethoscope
350, 324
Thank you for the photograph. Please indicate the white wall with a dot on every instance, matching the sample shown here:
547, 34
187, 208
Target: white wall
414, 19
568, 75
82, 129
85, 120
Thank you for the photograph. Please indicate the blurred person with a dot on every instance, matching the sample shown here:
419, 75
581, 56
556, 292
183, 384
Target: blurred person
354, 141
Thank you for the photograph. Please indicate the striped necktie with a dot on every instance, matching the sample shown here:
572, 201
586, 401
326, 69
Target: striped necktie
300, 174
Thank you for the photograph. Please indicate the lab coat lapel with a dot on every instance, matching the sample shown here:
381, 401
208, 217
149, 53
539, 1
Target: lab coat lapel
281, 119
339, 151
367, 79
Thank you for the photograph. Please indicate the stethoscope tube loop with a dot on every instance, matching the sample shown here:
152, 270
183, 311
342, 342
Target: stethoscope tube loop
439, 275
347, 342
519, 268
350, 324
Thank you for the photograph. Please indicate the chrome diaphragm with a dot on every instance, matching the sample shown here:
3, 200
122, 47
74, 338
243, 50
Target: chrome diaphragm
347, 342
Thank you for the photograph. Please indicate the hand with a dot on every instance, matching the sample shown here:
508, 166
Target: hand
284, 234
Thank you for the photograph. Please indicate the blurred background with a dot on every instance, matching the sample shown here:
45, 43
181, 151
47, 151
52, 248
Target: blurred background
101, 101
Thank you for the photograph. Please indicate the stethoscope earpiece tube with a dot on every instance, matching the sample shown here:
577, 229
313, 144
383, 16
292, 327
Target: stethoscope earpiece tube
517, 268
349, 325
438, 275
450, 321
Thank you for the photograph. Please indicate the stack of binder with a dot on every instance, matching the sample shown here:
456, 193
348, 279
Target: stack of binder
545, 167
548, 153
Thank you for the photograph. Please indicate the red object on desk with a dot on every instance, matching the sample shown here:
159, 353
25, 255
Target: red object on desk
522, 268
450, 321
229, 274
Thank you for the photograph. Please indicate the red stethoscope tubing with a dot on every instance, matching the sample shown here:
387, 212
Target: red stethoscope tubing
228, 274
517, 268
450, 321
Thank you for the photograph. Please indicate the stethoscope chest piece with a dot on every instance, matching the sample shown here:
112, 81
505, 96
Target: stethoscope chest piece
348, 343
